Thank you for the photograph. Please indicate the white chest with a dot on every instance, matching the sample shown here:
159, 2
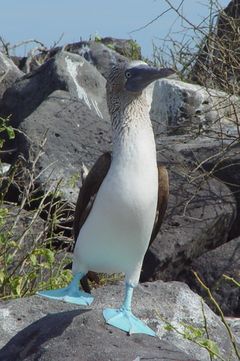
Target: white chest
116, 234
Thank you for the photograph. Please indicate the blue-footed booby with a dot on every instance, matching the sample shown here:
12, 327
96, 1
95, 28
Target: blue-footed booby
114, 231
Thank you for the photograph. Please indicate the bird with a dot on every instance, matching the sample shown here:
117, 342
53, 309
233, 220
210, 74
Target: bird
123, 199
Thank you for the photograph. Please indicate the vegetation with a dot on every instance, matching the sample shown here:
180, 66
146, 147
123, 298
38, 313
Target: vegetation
200, 335
28, 260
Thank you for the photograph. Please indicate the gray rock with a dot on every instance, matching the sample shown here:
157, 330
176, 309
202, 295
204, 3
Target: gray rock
219, 158
9, 73
126, 47
226, 167
180, 108
101, 56
36, 328
211, 267
103, 53
75, 134
234, 323
19, 223
200, 213
65, 71
65, 99
216, 64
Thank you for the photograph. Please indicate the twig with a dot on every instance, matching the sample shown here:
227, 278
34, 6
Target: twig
150, 22
215, 303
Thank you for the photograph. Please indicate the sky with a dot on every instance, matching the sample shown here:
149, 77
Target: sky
49, 20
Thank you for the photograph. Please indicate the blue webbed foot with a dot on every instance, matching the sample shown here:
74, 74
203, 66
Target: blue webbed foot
67, 295
126, 321
70, 294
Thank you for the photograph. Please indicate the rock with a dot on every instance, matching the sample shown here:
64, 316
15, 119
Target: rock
211, 267
234, 323
200, 213
20, 62
65, 99
220, 159
75, 135
36, 328
226, 167
103, 53
4, 168
65, 71
126, 47
182, 108
99, 55
9, 73
217, 61
19, 221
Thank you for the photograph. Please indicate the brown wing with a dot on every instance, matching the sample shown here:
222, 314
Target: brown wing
85, 201
163, 194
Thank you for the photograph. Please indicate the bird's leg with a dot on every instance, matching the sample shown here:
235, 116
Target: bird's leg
123, 318
71, 293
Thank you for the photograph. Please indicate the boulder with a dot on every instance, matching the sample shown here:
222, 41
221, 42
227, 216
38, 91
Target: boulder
98, 54
234, 323
182, 108
221, 159
64, 101
226, 167
74, 135
65, 71
200, 214
9, 73
36, 328
126, 47
211, 267
217, 60
102, 54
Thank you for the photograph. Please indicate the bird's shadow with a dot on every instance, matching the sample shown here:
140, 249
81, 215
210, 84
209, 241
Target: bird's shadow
30, 339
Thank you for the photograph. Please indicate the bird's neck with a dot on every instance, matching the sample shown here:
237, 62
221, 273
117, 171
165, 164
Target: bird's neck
132, 131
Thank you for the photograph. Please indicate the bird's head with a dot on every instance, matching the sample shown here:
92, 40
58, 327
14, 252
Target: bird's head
128, 80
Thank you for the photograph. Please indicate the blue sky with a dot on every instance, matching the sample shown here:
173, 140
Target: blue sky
46, 20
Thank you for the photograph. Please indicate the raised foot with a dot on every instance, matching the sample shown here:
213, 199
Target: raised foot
126, 321
68, 294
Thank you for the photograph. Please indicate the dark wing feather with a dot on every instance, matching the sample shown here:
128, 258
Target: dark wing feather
163, 194
85, 201
89, 190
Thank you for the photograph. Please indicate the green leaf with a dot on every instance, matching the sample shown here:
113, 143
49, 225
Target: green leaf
2, 276
49, 255
211, 346
32, 276
169, 327
3, 238
33, 259
18, 290
9, 259
15, 284
10, 132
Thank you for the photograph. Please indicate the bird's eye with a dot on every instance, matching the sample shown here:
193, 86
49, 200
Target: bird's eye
128, 74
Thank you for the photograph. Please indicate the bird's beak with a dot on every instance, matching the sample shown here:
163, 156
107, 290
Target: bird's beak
142, 76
